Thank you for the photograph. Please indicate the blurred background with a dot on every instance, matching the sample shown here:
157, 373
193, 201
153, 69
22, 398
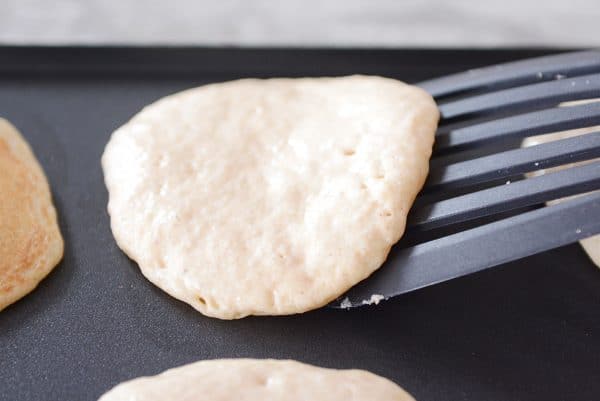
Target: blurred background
381, 23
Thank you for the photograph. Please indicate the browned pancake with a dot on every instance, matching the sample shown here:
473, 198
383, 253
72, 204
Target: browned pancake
30, 240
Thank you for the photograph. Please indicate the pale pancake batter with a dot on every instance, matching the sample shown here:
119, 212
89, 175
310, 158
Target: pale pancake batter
257, 380
268, 197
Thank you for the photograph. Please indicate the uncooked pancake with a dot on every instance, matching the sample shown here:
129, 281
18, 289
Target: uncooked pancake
268, 197
257, 380
30, 240
590, 245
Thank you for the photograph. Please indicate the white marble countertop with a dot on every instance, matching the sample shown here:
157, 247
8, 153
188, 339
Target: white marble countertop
432, 23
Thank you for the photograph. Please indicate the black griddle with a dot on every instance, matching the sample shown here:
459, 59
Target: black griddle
528, 330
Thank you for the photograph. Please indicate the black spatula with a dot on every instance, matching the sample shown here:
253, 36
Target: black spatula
477, 209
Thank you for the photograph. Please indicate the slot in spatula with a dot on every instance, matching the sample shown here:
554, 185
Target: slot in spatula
477, 209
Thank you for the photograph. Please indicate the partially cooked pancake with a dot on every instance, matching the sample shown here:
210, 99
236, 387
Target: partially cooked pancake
257, 380
268, 196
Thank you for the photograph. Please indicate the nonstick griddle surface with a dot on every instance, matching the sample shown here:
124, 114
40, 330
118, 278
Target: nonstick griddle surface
529, 330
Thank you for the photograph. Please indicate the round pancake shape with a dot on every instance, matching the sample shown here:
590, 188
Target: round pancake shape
30, 241
258, 380
268, 197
